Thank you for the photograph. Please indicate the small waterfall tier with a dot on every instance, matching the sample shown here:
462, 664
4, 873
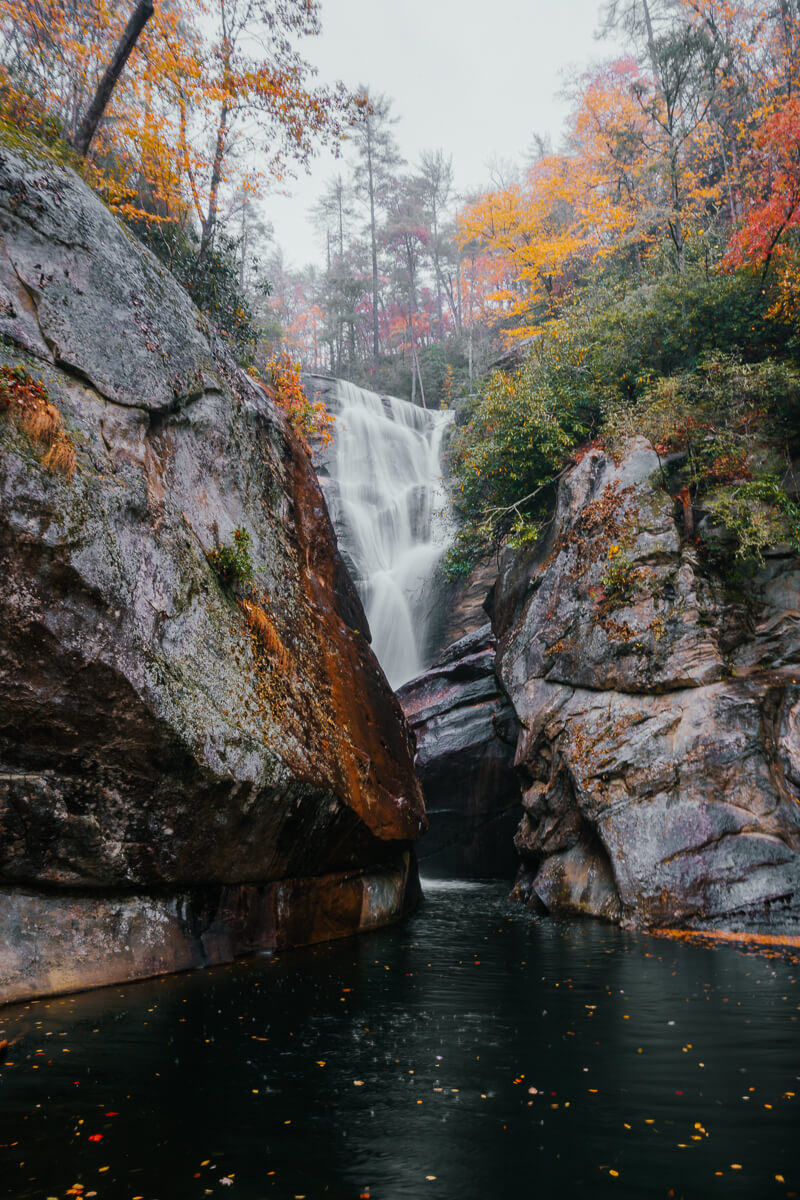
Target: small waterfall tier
382, 478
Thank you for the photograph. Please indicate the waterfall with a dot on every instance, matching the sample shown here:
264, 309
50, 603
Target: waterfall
387, 501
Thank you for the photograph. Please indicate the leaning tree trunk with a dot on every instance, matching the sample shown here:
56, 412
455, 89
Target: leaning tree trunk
88, 126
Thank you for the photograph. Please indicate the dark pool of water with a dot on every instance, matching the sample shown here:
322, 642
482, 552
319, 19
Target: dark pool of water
472, 1052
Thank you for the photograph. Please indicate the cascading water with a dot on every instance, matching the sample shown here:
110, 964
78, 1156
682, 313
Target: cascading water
387, 502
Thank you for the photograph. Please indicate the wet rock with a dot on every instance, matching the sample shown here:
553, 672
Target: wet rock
157, 736
459, 609
659, 714
60, 944
466, 733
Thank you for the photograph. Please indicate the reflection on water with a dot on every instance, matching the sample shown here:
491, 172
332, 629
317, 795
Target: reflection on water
472, 1052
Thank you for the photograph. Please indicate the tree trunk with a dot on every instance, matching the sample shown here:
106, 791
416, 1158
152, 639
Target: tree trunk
210, 219
88, 126
415, 360
438, 273
373, 236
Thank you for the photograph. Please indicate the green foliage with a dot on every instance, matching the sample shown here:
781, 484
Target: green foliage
212, 281
688, 361
752, 517
671, 324
517, 435
727, 416
466, 548
233, 564
524, 530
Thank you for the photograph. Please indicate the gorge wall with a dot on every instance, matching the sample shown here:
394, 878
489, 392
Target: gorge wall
659, 712
466, 732
189, 769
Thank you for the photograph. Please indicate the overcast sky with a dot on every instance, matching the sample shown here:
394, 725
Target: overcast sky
474, 77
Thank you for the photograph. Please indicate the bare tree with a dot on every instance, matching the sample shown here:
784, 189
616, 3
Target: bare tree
378, 155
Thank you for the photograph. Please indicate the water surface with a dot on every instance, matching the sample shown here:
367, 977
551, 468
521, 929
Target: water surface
472, 1052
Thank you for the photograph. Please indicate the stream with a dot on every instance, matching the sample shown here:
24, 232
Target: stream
473, 1051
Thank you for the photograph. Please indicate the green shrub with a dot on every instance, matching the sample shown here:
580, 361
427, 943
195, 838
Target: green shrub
233, 564
211, 281
753, 517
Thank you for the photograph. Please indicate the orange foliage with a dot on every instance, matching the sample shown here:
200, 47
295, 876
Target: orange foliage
202, 78
529, 235
773, 200
311, 420
26, 402
264, 629
679, 152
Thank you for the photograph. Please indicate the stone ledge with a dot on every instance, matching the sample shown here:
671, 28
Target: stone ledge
57, 942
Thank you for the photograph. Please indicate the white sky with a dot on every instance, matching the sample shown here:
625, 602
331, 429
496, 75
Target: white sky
474, 77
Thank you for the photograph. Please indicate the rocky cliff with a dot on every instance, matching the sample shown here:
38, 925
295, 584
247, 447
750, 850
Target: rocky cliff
466, 732
660, 713
191, 766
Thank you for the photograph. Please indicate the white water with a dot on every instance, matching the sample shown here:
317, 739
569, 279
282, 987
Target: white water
388, 507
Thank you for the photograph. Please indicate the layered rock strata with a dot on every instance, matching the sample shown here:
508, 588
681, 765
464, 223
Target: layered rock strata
466, 735
189, 768
660, 714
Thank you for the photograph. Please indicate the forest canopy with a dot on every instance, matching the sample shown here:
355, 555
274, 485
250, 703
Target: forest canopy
633, 276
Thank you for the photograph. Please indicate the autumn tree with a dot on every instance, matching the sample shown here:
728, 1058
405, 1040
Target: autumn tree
141, 14
255, 95
772, 203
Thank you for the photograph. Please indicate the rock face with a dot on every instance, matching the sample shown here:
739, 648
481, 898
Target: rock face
466, 733
660, 717
186, 773
460, 605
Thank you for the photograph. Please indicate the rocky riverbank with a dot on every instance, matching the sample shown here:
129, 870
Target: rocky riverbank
660, 713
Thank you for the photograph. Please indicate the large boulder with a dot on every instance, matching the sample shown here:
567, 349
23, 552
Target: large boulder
189, 768
660, 714
466, 733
